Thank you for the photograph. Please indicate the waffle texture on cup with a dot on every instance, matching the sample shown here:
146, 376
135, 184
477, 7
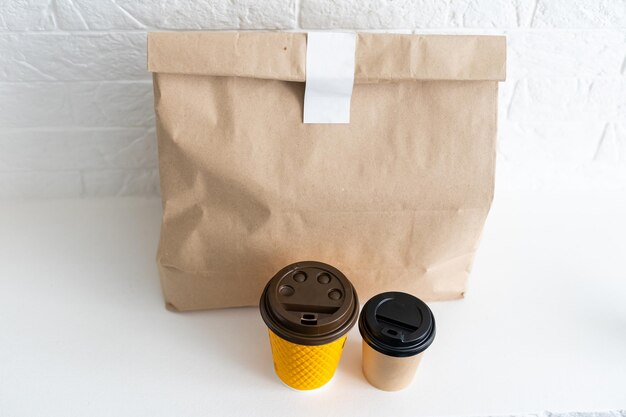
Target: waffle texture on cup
305, 367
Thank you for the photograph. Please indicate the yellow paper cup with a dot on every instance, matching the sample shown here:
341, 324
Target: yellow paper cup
305, 367
308, 308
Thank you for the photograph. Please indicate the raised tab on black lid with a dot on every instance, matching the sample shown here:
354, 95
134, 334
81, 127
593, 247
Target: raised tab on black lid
309, 303
397, 324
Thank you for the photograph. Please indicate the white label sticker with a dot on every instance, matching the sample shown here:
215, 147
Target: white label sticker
329, 77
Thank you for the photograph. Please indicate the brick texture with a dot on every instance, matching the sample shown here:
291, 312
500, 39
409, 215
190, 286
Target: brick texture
76, 117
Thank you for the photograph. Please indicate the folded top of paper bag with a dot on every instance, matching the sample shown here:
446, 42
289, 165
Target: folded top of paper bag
282, 55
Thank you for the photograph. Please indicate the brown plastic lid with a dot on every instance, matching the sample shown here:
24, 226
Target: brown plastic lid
309, 303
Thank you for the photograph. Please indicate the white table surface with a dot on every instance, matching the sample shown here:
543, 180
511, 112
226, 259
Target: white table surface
83, 329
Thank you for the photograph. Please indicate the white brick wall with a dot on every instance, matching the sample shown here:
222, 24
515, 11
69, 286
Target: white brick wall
76, 116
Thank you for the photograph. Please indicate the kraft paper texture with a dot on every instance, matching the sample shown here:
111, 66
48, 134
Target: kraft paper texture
388, 373
396, 199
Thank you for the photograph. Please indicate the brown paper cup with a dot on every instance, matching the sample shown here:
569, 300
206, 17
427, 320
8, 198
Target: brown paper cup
308, 307
396, 328
388, 373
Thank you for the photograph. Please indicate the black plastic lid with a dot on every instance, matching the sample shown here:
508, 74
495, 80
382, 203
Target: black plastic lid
397, 324
309, 303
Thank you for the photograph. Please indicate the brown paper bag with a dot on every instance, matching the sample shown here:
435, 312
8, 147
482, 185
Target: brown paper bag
396, 199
